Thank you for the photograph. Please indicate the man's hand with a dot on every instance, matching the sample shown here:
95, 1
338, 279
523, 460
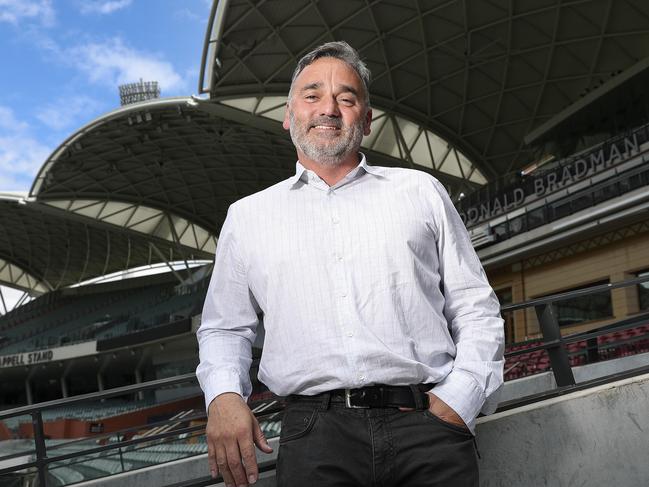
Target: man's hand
232, 431
444, 412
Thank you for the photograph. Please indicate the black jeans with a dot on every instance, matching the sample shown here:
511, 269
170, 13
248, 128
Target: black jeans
324, 444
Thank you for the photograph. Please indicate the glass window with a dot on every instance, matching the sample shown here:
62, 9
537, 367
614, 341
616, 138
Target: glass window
536, 218
581, 202
634, 182
501, 231
561, 209
643, 292
604, 193
517, 225
588, 307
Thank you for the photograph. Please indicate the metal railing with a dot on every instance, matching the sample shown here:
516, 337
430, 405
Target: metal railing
551, 340
43, 460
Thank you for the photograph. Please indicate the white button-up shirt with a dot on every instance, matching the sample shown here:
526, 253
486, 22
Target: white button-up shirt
371, 281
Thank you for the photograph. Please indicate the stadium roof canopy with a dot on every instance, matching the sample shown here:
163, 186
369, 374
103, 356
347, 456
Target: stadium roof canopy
457, 87
477, 75
168, 168
43, 248
165, 168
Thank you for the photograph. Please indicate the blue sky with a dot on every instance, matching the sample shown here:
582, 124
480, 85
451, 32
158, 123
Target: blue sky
63, 60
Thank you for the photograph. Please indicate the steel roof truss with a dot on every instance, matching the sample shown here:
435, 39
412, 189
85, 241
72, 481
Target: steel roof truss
18, 278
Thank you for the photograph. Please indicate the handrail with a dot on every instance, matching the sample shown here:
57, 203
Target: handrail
619, 326
103, 436
583, 336
124, 444
117, 391
570, 294
552, 340
123, 432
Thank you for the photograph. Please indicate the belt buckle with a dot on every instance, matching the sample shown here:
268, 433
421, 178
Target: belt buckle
348, 402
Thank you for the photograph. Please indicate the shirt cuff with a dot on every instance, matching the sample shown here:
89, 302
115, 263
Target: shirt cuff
218, 383
461, 392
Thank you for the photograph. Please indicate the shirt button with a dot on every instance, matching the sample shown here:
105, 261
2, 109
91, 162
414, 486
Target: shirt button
362, 378
350, 333
335, 220
343, 294
340, 258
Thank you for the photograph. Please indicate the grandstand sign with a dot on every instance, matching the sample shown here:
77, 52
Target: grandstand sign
549, 181
26, 359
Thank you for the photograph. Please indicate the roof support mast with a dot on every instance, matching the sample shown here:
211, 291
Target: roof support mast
166, 261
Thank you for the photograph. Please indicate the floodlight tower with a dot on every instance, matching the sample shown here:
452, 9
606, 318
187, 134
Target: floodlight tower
141, 91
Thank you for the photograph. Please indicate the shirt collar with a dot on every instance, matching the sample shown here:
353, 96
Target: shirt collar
302, 173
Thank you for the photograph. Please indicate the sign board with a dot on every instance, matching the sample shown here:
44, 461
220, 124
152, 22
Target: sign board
547, 182
48, 355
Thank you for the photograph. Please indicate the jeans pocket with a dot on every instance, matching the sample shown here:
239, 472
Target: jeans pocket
453, 427
298, 420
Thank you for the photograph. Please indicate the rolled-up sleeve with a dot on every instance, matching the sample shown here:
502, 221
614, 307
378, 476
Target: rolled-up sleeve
473, 315
228, 323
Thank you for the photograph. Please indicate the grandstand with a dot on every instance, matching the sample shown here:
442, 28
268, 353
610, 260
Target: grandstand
535, 118
78, 322
72, 317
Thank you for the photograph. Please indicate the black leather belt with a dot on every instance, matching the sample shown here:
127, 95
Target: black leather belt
376, 396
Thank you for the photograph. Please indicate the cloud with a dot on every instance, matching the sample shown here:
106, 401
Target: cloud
185, 13
20, 159
103, 7
9, 122
113, 63
69, 112
21, 155
14, 11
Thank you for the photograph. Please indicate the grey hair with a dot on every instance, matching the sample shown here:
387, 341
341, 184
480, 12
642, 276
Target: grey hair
337, 50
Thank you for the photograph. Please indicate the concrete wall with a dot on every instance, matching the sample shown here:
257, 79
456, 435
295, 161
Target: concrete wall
597, 437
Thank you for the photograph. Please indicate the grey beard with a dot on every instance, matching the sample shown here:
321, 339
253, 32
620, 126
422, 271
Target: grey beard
327, 154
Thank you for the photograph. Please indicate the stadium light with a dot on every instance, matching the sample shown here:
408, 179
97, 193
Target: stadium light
536, 164
140, 91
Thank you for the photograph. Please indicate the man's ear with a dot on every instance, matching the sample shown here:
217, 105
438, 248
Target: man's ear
287, 121
368, 122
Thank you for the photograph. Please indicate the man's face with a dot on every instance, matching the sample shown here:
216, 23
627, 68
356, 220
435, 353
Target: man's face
326, 114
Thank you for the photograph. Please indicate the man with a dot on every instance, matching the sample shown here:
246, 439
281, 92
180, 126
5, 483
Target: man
381, 327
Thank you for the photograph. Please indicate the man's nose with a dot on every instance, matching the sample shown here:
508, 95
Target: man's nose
329, 107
